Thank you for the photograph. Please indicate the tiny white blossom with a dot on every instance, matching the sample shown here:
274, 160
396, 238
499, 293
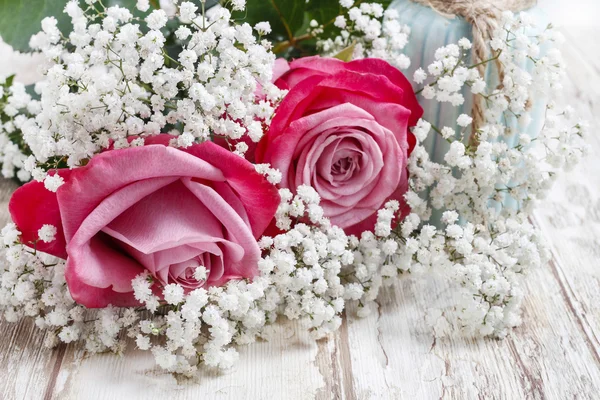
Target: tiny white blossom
347, 3
173, 293
238, 5
142, 342
263, 28
419, 76
200, 273
447, 132
464, 120
157, 19
53, 182
47, 233
464, 43
68, 334
143, 5
340, 22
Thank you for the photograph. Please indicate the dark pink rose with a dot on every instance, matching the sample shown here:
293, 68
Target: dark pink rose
152, 208
343, 129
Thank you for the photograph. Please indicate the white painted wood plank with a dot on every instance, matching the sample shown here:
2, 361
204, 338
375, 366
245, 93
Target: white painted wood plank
570, 217
27, 369
396, 356
287, 367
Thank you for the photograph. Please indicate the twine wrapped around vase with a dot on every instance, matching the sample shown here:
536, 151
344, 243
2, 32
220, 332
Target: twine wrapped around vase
483, 15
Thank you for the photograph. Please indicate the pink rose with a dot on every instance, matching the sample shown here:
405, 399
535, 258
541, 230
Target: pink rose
152, 208
343, 129
280, 67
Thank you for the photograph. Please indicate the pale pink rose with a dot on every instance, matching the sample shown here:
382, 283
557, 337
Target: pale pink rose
343, 129
280, 67
152, 208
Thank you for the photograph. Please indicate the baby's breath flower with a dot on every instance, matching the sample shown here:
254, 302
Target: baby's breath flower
263, 28
200, 274
53, 182
143, 5
419, 76
157, 19
464, 120
47, 233
173, 294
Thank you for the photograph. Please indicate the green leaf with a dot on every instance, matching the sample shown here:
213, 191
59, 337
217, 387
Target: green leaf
20, 19
324, 11
285, 16
209, 3
346, 54
9, 81
30, 89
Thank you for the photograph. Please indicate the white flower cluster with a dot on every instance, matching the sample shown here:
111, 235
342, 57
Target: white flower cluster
491, 186
16, 107
32, 284
513, 45
371, 31
114, 76
476, 179
451, 74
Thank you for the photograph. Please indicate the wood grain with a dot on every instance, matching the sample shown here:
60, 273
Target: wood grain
392, 354
266, 370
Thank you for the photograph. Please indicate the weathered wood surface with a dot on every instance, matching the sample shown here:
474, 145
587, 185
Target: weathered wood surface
392, 354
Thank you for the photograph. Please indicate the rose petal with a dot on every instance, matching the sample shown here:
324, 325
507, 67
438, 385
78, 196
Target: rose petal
378, 66
95, 258
282, 116
306, 67
280, 67
316, 66
234, 230
98, 275
287, 145
32, 206
311, 131
110, 171
168, 217
368, 224
93, 297
259, 197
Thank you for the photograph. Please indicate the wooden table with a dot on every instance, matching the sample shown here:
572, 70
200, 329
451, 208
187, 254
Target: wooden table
392, 354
